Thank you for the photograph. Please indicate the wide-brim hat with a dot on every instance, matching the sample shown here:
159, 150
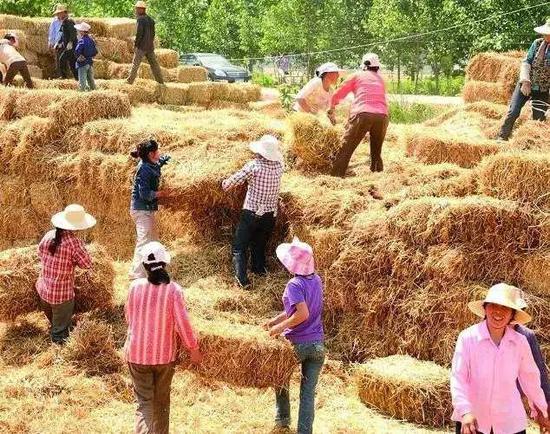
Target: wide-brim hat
544, 29
73, 218
297, 257
328, 67
140, 5
267, 147
372, 59
59, 8
158, 252
504, 295
83, 27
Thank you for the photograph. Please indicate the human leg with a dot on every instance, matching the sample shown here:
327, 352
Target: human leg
62, 321
25, 73
241, 243
90, 78
163, 375
516, 104
138, 57
282, 406
83, 78
356, 129
377, 135
144, 390
145, 233
259, 241
155, 67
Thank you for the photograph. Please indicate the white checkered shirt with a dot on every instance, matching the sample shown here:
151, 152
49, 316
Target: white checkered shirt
264, 182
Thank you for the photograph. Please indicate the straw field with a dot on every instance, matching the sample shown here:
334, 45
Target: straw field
454, 213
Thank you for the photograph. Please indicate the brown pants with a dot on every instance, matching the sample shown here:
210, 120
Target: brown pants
21, 68
357, 128
153, 63
152, 389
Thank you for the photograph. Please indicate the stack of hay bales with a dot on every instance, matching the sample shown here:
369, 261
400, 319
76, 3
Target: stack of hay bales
492, 77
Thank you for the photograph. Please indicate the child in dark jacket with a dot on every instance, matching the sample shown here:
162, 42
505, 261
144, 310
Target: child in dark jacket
85, 52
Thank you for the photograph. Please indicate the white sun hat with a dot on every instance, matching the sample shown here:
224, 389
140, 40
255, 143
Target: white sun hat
83, 27
267, 147
73, 218
159, 252
504, 295
544, 29
372, 58
327, 67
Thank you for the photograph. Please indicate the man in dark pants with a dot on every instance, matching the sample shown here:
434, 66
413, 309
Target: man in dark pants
534, 83
257, 221
65, 47
145, 44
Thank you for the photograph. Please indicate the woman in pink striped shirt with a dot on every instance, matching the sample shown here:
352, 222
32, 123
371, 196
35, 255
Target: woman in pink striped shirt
156, 313
490, 357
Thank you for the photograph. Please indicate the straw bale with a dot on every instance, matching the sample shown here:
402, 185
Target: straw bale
190, 74
8, 101
38, 44
113, 49
12, 21
271, 108
326, 244
91, 348
37, 25
46, 198
406, 388
312, 142
434, 146
23, 340
65, 84
478, 221
35, 71
534, 274
485, 91
201, 93
142, 91
20, 269
173, 94
167, 58
14, 192
32, 60
118, 28
532, 135
243, 93
37, 103
19, 226
518, 176
494, 67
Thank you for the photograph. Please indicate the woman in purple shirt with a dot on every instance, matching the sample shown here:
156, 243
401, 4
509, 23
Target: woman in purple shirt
300, 323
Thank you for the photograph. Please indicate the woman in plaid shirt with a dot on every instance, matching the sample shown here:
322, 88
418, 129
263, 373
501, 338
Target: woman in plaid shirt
60, 251
263, 176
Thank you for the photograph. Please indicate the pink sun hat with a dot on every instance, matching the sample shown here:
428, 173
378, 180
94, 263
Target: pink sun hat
297, 257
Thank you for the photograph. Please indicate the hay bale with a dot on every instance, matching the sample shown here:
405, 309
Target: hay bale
190, 74
532, 135
14, 192
173, 94
37, 44
91, 347
435, 146
485, 91
242, 355
35, 71
477, 221
141, 92
534, 273
8, 101
270, 108
407, 389
517, 176
167, 58
20, 269
113, 49
312, 142
495, 67
243, 92
37, 103
23, 340
45, 198
201, 93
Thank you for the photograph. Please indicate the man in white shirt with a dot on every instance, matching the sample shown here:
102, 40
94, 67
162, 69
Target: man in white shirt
315, 96
15, 62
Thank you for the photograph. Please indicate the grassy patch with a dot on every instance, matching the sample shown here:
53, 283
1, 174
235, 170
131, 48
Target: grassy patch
412, 113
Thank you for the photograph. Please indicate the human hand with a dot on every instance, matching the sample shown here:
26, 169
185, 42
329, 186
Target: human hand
196, 356
162, 194
469, 424
526, 88
276, 330
331, 116
81, 58
267, 325
164, 159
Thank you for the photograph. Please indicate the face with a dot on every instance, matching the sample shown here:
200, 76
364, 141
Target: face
61, 16
547, 38
331, 77
81, 33
140, 11
154, 157
498, 316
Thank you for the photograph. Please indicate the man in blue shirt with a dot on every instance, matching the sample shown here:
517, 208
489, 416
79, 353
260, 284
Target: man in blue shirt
54, 35
534, 82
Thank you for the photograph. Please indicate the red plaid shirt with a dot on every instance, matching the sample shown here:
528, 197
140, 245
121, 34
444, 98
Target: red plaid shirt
264, 182
55, 284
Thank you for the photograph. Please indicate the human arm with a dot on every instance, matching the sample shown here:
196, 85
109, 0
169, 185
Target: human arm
52, 35
276, 320
81, 257
460, 379
184, 328
164, 159
79, 49
239, 177
539, 360
343, 91
304, 105
530, 381
298, 317
140, 32
143, 180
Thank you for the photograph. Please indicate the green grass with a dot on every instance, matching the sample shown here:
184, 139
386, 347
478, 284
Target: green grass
450, 86
406, 113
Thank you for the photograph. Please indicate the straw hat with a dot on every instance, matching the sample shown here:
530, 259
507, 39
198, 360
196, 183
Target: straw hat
159, 252
544, 29
141, 5
267, 147
372, 58
83, 27
504, 295
73, 218
327, 67
59, 8
297, 257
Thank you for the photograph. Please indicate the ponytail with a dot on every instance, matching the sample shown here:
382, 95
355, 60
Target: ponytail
52, 248
156, 272
143, 149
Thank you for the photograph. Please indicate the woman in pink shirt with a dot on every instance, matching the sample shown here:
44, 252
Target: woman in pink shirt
155, 313
489, 358
369, 114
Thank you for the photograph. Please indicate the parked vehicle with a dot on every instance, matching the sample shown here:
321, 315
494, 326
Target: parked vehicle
219, 68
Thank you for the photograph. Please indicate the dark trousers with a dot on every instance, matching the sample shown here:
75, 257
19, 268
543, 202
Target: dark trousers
253, 231
458, 427
153, 63
21, 68
60, 317
540, 105
66, 61
357, 128
152, 385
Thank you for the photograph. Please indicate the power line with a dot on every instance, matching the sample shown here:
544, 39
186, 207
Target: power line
402, 38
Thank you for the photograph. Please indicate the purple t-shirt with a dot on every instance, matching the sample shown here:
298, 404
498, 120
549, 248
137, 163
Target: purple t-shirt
309, 290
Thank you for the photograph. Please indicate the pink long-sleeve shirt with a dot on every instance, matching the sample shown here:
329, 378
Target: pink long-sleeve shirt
369, 93
483, 380
155, 315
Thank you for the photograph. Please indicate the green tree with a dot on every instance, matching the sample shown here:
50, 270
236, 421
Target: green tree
222, 27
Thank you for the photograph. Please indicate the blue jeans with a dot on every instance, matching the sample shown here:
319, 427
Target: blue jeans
540, 101
86, 78
312, 357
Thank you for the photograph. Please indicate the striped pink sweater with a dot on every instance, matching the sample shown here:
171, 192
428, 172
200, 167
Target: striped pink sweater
155, 314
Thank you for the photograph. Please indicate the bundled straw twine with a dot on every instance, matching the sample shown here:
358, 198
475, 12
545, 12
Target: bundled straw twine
406, 388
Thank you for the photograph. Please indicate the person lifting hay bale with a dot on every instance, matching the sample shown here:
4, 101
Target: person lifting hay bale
156, 313
60, 252
316, 95
66, 44
257, 221
85, 52
15, 63
534, 83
